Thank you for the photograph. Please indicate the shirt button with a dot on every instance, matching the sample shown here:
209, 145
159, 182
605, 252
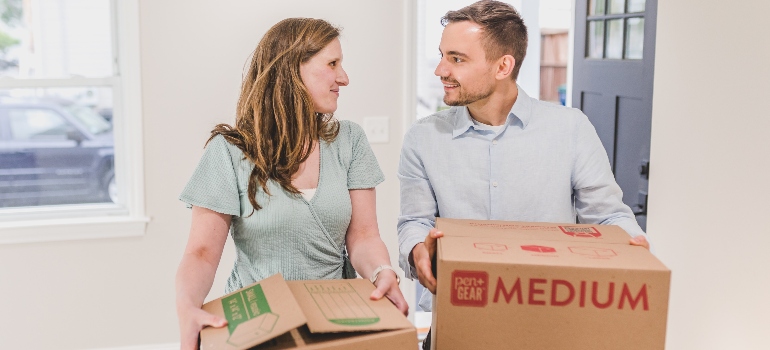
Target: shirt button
494, 183
494, 142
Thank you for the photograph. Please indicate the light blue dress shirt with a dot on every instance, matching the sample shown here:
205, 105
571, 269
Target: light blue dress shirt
546, 165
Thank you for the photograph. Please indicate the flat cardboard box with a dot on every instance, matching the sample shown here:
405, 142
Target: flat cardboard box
325, 314
520, 285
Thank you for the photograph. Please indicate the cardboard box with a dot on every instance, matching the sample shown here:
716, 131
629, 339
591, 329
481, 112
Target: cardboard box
517, 285
325, 314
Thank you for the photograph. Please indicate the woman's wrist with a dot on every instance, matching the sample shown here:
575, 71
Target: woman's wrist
383, 269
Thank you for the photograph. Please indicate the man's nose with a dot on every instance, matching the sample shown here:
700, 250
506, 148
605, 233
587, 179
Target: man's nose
441, 70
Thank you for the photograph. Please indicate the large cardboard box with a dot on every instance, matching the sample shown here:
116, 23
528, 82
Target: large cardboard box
517, 285
325, 314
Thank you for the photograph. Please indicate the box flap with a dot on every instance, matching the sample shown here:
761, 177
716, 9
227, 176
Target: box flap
255, 314
515, 251
344, 306
533, 230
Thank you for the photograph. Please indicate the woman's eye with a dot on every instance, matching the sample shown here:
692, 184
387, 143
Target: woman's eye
333, 63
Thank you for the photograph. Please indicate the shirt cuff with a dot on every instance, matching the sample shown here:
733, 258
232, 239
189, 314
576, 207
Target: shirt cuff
405, 248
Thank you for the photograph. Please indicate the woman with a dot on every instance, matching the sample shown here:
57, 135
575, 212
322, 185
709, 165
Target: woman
293, 185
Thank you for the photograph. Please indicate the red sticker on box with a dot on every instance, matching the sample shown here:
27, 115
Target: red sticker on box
469, 288
538, 248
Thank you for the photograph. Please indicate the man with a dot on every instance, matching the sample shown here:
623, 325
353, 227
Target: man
498, 154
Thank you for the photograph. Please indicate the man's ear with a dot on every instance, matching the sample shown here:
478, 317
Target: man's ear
505, 66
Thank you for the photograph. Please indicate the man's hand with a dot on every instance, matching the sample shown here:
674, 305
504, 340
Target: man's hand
640, 241
422, 255
387, 286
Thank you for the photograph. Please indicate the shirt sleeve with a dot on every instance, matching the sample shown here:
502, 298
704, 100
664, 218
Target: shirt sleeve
598, 198
214, 185
364, 171
418, 202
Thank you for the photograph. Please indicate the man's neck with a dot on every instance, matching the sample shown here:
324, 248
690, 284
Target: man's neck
494, 109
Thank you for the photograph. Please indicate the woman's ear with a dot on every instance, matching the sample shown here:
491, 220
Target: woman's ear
505, 67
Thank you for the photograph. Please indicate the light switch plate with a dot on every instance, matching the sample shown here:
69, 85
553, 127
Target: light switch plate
377, 129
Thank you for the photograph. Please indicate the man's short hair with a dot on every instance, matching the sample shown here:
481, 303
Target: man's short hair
504, 32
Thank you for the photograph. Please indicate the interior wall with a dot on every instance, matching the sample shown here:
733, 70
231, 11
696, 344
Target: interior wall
106, 293
709, 188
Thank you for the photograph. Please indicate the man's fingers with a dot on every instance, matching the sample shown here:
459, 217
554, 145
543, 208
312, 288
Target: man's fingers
430, 240
426, 276
640, 241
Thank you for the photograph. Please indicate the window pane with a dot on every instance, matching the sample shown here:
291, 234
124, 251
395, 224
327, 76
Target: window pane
634, 38
617, 6
596, 7
595, 47
55, 39
56, 146
615, 38
635, 6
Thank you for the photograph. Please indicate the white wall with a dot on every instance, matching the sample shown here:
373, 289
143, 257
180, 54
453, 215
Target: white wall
120, 292
709, 188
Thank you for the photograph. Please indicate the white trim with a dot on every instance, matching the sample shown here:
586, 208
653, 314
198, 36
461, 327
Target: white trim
129, 150
72, 229
50, 83
169, 346
410, 107
410, 64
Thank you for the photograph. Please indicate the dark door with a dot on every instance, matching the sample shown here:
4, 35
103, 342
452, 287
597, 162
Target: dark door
612, 85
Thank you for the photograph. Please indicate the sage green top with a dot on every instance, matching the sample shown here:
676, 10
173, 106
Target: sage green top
303, 240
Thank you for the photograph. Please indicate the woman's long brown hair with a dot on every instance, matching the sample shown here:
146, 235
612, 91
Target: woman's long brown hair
276, 125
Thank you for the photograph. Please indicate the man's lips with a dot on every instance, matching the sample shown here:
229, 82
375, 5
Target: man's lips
449, 85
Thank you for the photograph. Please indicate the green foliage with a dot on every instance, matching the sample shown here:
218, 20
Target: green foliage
7, 41
10, 11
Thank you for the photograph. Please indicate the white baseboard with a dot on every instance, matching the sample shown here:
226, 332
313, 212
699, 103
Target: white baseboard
168, 346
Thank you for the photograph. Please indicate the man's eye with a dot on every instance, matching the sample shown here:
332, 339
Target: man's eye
333, 63
457, 59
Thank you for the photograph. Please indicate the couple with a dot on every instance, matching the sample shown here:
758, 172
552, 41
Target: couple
296, 187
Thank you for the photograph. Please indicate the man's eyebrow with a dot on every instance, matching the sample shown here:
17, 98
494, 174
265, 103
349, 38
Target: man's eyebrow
457, 53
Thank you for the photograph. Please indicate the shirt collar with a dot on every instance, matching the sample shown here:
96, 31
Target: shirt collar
521, 110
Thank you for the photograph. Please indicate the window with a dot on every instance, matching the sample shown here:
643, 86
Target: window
70, 128
615, 29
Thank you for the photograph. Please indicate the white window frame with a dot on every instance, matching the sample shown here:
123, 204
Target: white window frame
88, 221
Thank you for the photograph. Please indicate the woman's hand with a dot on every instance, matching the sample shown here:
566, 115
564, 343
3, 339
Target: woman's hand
191, 321
387, 286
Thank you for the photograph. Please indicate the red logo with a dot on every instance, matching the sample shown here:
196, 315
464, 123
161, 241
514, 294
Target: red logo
469, 288
491, 246
538, 248
590, 251
581, 231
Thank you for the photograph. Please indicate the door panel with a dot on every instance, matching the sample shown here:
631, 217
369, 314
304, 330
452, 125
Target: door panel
614, 86
599, 109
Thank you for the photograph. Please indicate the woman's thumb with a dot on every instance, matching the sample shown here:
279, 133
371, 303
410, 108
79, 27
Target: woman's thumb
216, 321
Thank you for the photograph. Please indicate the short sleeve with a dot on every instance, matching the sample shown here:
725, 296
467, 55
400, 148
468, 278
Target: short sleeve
364, 171
214, 184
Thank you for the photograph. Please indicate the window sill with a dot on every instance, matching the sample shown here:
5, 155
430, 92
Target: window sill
71, 229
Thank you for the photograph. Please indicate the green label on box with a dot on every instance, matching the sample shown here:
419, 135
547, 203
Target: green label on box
244, 306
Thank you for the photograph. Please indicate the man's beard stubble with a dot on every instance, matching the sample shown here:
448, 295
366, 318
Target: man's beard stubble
465, 98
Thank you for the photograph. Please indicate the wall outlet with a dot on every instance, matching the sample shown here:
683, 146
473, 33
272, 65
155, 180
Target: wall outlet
377, 129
